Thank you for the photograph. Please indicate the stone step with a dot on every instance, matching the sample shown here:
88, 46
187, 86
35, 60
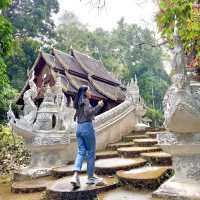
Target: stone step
62, 189
158, 158
112, 165
130, 138
152, 134
151, 129
115, 146
130, 152
30, 186
145, 142
106, 154
145, 177
142, 132
67, 170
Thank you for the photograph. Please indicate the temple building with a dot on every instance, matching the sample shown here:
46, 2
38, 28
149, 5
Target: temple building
46, 118
75, 69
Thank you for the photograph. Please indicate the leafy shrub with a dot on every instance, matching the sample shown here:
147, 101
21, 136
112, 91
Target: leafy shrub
12, 151
156, 116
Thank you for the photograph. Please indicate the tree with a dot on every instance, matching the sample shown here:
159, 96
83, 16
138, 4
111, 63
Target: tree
32, 18
32, 27
188, 24
70, 32
23, 56
6, 43
136, 48
156, 116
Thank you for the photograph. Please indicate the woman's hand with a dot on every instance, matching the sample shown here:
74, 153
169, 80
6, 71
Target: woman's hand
101, 103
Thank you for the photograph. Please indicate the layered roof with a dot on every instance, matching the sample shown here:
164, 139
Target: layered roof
77, 69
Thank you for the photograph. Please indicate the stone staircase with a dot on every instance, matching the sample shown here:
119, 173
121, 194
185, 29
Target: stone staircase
136, 161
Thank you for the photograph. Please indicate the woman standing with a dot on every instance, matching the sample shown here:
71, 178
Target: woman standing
85, 135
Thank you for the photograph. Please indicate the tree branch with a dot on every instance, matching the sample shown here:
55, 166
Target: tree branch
152, 45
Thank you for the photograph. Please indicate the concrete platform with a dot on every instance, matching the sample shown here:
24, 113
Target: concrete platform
112, 165
126, 194
130, 152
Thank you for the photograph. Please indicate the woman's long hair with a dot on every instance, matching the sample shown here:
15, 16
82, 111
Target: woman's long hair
78, 100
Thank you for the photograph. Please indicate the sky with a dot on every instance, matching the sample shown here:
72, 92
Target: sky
141, 12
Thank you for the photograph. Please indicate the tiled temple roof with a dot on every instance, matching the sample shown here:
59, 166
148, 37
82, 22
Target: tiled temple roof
94, 68
78, 69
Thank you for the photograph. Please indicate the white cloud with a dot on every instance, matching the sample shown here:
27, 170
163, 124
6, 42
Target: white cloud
133, 12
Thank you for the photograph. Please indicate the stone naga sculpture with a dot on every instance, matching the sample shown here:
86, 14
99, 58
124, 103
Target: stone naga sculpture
179, 98
182, 138
10, 115
43, 129
30, 109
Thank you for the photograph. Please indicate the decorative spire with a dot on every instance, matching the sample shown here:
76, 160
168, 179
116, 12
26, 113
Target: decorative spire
136, 82
58, 84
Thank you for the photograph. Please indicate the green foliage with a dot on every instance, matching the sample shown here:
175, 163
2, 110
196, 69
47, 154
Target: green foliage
71, 33
6, 44
32, 18
5, 3
188, 23
5, 36
7, 96
156, 116
5, 47
32, 22
3, 75
138, 52
24, 53
12, 151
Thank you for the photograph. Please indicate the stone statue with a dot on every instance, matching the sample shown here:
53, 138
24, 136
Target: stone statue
43, 128
30, 109
10, 115
179, 61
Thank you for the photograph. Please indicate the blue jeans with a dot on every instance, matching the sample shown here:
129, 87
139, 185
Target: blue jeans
86, 142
